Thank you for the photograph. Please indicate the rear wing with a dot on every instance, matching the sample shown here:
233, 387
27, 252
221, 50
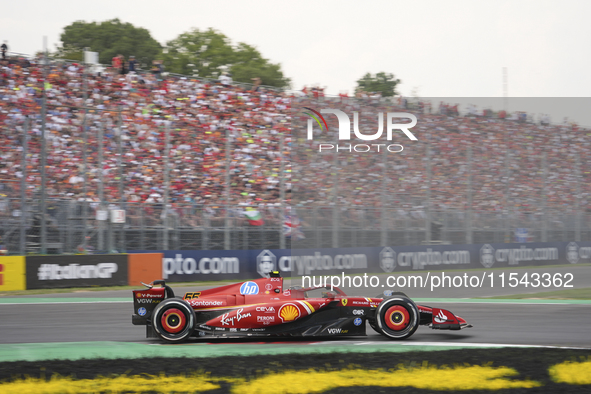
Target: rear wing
144, 301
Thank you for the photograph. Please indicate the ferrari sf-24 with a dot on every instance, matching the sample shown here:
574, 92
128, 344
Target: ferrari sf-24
264, 308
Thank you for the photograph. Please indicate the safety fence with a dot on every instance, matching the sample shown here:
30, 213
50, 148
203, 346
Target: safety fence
87, 227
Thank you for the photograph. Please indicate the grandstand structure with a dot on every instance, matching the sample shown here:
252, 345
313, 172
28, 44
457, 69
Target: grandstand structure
185, 157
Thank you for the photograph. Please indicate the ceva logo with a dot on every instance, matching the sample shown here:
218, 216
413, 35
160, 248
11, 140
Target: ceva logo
345, 130
249, 288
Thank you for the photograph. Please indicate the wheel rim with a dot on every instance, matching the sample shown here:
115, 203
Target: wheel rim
173, 320
397, 318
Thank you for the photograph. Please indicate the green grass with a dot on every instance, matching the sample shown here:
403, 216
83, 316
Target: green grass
570, 294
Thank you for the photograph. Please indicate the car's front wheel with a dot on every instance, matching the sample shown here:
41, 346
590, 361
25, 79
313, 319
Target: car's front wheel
397, 317
173, 320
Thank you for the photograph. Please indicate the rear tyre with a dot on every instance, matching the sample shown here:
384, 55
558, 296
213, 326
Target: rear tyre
173, 320
397, 317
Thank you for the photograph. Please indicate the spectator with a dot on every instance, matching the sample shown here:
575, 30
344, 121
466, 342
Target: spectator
157, 68
132, 64
4, 49
122, 69
256, 84
116, 64
226, 78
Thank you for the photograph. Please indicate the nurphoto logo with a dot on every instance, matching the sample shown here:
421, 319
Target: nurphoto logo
345, 130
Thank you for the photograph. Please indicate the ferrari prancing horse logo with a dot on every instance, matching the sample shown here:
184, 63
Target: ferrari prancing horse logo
344, 302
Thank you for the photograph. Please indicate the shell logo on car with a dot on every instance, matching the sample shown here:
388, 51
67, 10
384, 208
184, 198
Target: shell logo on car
289, 312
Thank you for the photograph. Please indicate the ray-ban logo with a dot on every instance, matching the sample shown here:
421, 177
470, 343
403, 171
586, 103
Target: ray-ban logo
345, 130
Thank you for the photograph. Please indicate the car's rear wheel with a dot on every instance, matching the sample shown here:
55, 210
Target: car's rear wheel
173, 320
397, 317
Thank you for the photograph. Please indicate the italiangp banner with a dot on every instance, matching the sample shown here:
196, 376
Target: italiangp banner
193, 265
76, 271
12, 273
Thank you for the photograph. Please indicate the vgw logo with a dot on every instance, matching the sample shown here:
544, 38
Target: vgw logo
345, 130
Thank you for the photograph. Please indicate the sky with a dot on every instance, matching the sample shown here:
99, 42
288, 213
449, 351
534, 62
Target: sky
455, 48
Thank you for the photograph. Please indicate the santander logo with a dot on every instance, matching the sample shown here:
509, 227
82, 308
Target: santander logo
440, 317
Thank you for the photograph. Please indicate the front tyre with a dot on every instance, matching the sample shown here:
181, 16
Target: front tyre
397, 317
173, 320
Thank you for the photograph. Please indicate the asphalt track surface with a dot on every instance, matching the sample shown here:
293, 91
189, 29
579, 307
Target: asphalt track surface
494, 323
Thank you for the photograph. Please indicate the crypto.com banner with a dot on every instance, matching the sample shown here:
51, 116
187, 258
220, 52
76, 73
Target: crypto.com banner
200, 265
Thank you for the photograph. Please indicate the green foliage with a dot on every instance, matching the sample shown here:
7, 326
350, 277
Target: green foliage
204, 53
68, 52
109, 39
381, 82
209, 53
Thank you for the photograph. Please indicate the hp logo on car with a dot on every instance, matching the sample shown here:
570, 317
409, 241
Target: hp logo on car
357, 321
249, 288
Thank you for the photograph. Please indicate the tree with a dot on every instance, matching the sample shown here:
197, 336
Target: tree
209, 53
109, 39
383, 83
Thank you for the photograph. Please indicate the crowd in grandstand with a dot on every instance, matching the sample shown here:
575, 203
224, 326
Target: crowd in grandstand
200, 113
502, 151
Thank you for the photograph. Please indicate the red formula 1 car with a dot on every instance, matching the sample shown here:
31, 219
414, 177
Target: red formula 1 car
262, 307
